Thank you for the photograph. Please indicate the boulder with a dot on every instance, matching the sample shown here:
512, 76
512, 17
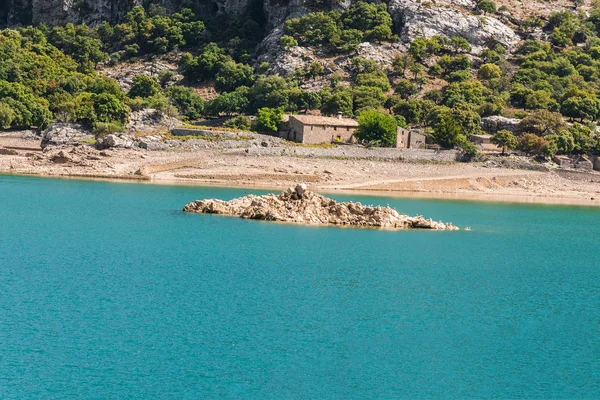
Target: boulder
584, 163
62, 157
151, 121
117, 141
60, 134
125, 72
495, 123
382, 54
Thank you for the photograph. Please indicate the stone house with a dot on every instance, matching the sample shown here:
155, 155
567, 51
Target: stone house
582, 162
563, 161
484, 142
577, 162
410, 139
313, 129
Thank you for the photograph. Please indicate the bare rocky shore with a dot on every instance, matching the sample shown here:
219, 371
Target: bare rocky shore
301, 206
256, 161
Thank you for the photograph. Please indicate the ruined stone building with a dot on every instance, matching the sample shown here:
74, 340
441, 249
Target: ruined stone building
410, 139
312, 129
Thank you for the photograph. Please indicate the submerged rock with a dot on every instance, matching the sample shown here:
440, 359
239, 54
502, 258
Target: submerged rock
301, 206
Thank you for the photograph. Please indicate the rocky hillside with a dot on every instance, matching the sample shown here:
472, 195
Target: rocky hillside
411, 18
440, 65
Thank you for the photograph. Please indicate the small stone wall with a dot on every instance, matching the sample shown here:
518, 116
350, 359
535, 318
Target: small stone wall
354, 152
192, 132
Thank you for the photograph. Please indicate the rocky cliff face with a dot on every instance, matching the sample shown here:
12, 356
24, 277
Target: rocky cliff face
449, 18
58, 12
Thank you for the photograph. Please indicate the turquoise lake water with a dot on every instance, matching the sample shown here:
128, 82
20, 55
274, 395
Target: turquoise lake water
108, 291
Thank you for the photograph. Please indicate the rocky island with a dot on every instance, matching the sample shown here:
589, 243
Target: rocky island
301, 206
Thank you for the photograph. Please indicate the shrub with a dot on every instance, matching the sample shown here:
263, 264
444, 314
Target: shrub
268, 119
240, 122
188, 103
7, 116
287, 41
486, 6
531, 144
232, 75
102, 129
406, 89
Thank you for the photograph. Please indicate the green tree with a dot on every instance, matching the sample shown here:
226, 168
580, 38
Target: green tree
581, 105
337, 100
406, 88
144, 86
229, 103
411, 110
563, 143
315, 69
488, 72
447, 132
268, 119
367, 97
418, 49
188, 103
300, 99
505, 139
377, 127
459, 43
583, 138
109, 108
376, 79
232, 75
270, 91
542, 123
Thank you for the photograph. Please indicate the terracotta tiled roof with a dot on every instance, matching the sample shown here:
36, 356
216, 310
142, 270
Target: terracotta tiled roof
324, 121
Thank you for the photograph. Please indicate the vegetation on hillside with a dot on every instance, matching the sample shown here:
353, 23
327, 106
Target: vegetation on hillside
49, 74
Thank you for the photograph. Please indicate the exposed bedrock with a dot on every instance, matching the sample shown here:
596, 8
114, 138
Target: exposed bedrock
301, 206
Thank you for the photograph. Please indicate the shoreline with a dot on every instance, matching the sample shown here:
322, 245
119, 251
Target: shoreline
491, 198
236, 168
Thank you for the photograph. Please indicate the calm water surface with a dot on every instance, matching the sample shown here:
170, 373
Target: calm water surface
107, 290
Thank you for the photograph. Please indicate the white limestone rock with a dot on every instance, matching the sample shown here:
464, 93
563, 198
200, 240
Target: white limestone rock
301, 206
446, 18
